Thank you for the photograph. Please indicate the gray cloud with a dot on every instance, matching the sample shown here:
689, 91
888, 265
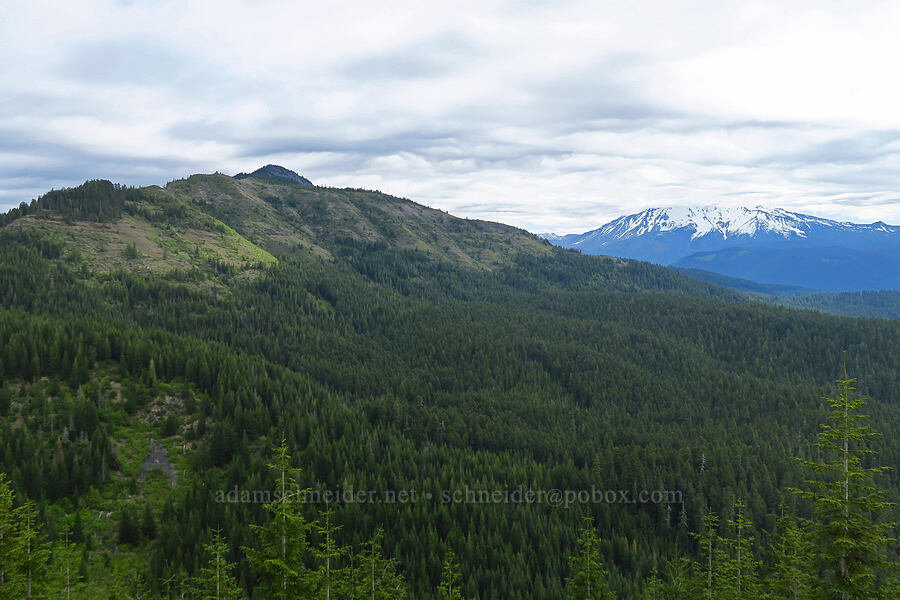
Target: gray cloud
427, 59
857, 149
554, 118
125, 62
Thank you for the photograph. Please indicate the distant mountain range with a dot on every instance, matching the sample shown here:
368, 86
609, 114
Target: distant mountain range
866, 303
773, 246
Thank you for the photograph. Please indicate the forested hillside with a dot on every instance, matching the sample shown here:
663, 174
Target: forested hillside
883, 304
159, 343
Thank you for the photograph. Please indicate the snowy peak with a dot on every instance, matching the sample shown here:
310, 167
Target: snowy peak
666, 235
722, 222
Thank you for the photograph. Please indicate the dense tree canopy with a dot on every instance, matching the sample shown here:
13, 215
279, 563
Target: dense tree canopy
393, 366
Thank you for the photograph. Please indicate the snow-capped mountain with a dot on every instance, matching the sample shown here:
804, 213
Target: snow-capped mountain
720, 221
665, 235
678, 235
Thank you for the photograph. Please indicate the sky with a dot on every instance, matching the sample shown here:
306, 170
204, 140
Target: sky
552, 116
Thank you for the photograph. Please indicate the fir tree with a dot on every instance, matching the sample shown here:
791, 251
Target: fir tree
77, 533
450, 587
711, 555
330, 579
175, 585
848, 543
129, 530
127, 582
678, 582
376, 577
588, 575
790, 579
66, 560
215, 581
740, 578
29, 563
283, 540
7, 536
148, 523
655, 587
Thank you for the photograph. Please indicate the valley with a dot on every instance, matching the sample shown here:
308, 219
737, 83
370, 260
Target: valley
385, 346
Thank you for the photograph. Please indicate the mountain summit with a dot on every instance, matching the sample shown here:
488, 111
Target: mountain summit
721, 222
696, 237
277, 173
665, 235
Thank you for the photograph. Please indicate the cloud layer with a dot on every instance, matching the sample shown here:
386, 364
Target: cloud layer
550, 116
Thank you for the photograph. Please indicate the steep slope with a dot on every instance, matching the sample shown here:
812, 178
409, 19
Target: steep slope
281, 216
245, 223
108, 227
452, 354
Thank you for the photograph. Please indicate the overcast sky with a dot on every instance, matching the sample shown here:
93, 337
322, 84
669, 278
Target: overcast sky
553, 116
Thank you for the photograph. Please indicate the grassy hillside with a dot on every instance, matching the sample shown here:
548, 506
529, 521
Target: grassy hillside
396, 348
146, 230
284, 216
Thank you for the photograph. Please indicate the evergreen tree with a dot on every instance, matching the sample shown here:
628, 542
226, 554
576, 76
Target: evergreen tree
848, 543
376, 577
891, 588
283, 539
711, 555
655, 588
740, 577
7, 537
77, 533
66, 560
790, 579
148, 523
588, 579
129, 530
450, 587
175, 585
330, 579
678, 582
127, 582
29, 563
215, 581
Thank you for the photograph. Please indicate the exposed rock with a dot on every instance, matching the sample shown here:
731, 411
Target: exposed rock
157, 458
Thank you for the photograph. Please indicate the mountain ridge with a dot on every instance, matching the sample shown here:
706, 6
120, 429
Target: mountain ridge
250, 221
724, 222
683, 236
